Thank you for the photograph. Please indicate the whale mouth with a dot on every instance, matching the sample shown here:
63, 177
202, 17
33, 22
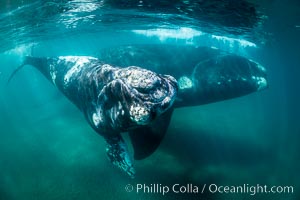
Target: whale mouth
143, 96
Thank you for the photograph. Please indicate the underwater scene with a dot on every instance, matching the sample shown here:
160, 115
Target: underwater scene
149, 99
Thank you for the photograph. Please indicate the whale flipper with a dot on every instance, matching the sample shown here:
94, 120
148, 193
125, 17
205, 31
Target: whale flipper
118, 155
145, 140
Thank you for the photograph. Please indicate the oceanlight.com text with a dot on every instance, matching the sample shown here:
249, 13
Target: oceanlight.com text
208, 188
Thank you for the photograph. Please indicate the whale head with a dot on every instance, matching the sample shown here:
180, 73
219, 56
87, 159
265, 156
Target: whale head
137, 97
220, 78
150, 94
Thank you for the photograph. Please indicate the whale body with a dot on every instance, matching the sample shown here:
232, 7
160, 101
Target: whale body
112, 99
115, 98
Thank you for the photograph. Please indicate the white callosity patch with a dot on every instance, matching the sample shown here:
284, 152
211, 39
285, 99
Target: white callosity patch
106, 68
78, 61
185, 83
97, 119
139, 114
261, 82
142, 79
121, 73
159, 94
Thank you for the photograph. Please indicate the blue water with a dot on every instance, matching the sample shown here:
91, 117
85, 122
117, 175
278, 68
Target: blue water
48, 151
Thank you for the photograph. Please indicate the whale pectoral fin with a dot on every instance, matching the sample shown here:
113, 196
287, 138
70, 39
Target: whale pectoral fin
145, 140
118, 155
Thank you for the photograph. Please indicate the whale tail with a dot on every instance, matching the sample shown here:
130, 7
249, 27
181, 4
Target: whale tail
29, 60
14, 73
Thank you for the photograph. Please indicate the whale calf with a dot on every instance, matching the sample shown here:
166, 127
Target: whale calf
140, 101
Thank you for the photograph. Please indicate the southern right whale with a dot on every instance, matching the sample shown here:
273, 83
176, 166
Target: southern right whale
140, 101
114, 100
204, 74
